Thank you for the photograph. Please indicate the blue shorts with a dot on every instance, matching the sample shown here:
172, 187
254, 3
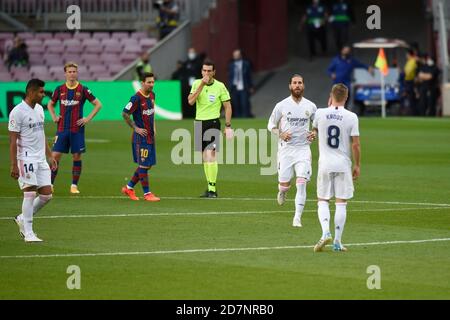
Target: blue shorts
66, 139
144, 154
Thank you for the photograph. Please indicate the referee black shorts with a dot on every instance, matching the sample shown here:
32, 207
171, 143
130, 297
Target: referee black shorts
207, 135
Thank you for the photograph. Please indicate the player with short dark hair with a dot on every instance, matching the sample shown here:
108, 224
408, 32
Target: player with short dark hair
209, 95
70, 131
28, 151
142, 108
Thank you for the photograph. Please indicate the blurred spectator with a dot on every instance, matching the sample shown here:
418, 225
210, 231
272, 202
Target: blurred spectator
427, 84
18, 55
408, 93
315, 19
143, 66
186, 73
341, 16
240, 83
193, 65
169, 15
341, 69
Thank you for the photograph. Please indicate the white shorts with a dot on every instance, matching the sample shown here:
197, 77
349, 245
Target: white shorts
334, 184
292, 161
34, 174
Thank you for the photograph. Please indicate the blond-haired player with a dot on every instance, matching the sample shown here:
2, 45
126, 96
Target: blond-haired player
338, 133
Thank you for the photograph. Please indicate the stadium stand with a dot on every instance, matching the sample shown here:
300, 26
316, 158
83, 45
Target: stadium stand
101, 55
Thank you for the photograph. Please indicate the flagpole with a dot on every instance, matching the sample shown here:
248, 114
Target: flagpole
383, 100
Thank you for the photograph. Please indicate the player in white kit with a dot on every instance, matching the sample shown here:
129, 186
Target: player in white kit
28, 148
290, 121
338, 135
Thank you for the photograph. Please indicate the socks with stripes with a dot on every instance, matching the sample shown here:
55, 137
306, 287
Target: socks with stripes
143, 177
76, 172
134, 180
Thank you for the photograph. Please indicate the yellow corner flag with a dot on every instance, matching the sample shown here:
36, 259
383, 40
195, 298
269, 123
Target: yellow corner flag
381, 62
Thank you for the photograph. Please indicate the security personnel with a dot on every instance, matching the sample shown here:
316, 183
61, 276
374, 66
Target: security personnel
169, 14
340, 22
143, 66
315, 20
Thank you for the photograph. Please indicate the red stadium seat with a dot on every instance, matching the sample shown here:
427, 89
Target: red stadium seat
25, 35
6, 35
43, 35
53, 43
36, 49
63, 36
115, 68
147, 43
120, 35
55, 49
138, 35
101, 35
96, 48
33, 42
72, 42
74, 49
82, 35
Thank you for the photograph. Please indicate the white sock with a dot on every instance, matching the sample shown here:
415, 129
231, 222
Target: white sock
27, 211
40, 202
339, 221
283, 189
300, 198
323, 212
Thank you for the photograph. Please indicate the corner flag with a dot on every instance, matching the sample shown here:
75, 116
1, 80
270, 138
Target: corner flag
381, 62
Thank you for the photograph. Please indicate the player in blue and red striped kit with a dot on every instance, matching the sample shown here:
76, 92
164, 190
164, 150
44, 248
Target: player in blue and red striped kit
142, 108
70, 133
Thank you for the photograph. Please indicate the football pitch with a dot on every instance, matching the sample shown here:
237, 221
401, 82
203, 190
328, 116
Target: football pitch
241, 245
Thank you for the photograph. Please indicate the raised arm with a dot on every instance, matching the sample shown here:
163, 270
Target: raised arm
192, 98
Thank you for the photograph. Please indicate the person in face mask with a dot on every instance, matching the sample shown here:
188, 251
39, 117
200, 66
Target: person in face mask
427, 85
240, 83
191, 69
341, 68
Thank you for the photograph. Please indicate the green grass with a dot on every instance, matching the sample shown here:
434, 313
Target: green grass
165, 250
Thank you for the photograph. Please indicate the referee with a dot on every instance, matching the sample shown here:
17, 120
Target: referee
209, 95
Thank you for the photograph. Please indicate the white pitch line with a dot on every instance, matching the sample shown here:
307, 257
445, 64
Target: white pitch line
160, 252
76, 197
169, 214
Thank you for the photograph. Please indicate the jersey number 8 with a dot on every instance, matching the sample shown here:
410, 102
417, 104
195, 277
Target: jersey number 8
333, 136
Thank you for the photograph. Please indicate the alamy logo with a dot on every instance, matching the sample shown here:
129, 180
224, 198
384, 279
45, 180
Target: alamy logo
73, 22
74, 280
374, 21
374, 280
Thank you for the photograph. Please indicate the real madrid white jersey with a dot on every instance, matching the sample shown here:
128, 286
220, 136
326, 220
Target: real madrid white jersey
336, 126
29, 123
294, 117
